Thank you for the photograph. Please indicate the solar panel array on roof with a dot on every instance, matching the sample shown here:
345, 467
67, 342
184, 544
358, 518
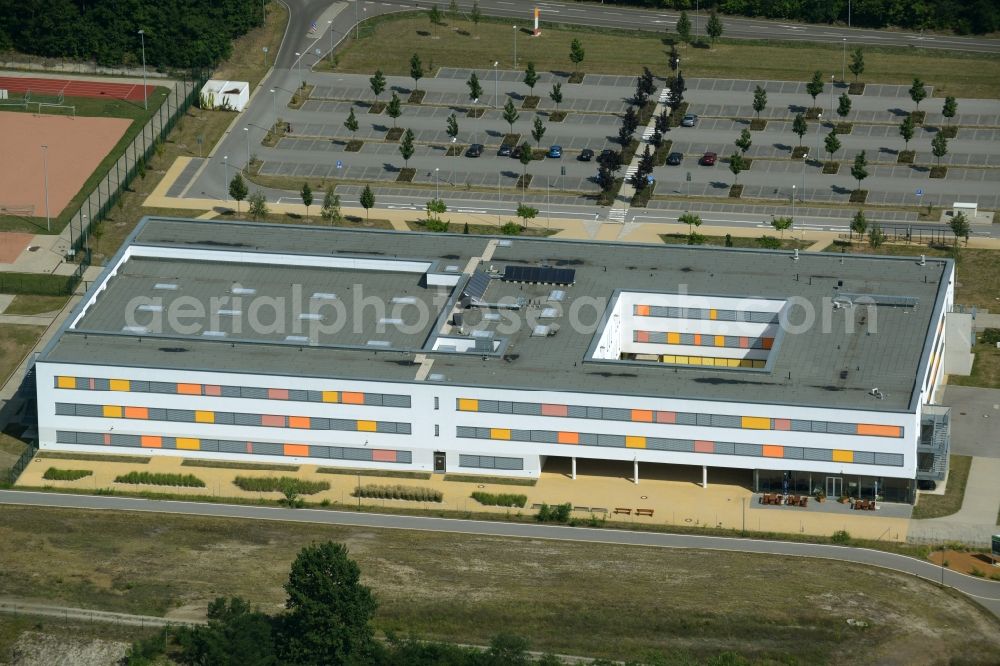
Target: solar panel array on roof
477, 285
539, 275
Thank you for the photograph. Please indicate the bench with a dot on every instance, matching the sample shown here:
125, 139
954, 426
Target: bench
626, 511
598, 509
644, 512
581, 508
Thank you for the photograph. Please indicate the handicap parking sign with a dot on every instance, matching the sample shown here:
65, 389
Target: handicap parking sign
340, 165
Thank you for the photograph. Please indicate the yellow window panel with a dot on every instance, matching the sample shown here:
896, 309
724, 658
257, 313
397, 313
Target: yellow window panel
499, 433
720, 341
756, 423
119, 384
112, 411
843, 456
682, 359
635, 442
331, 396
733, 362
188, 443
66, 382
669, 358
468, 405
673, 338
713, 314
204, 417
366, 426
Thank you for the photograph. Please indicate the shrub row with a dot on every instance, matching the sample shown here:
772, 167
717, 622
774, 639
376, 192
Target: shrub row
160, 479
56, 474
554, 514
281, 484
412, 493
500, 499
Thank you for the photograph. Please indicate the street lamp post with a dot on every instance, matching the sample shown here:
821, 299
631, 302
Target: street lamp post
819, 128
843, 64
274, 114
45, 177
225, 178
496, 84
298, 65
247, 130
145, 97
802, 192
330, 23
515, 46
437, 189
831, 98
793, 202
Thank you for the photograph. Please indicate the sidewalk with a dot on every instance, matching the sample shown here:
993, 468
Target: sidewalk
976, 521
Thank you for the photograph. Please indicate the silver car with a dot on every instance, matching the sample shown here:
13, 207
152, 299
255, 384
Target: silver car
689, 120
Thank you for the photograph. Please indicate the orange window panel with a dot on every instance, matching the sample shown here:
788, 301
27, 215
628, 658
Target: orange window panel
704, 446
666, 417
383, 455
298, 422
331, 396
642, 336
767, 342
277, 394
755, 423
66, 382
874, 430
352, 398
112, 411
367, 426
272, 420
297, 450
773, 451
188, 443
107, 439
673, 338
118, 384
744, 342
151, 442
189, 389
555, 410
468, 405
697, 339
782, 424
635, 442
499, 433
568, 437
720, 341
642, 310
843, 456
136, 413
642, 415
204, 417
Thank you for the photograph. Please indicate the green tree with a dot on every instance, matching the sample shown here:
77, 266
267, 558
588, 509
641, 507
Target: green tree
576, 53
235, 635
329, 611
693, 221
452, 127
815, 86
331, 206
453, 7
876, 237
416, 70
530, 77
858, 225
367, 199
526, 213
684, 27
476, 14
307, 197
950, 108
737, 163
960, 227
434, 15
800, 126
406, 147
781, 223
714, 26
743, 142
859, 171
525, 159
510, 114
394, 108
238, 190
939, 146
843, 105
258, 205
377, 83
538, 131
906, 129
352, 122
832, 143
857, 65
917, 91
556, 95
475, 89
436, 208
509, 650
759, 100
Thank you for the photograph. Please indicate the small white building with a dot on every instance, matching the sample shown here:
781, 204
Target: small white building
229, 95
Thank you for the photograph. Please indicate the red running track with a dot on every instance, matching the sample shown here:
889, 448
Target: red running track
74, 88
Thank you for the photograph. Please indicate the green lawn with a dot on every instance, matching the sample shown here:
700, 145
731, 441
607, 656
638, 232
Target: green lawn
736, 241
16, 340
985, 369
590, 599
30, 304
938, 506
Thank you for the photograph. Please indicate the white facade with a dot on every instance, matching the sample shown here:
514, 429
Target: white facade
228, 95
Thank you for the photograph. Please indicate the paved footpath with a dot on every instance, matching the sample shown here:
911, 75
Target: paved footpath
976, 521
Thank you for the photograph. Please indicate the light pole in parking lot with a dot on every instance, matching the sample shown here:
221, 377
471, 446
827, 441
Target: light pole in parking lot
145, 97
247, 130
437, 189
496, 84
298, 65
515, 46
831, 98
225, 178
793, 202
802, 192
274, 114
819, 127
843, 64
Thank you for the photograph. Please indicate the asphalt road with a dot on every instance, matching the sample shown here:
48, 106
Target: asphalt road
985, 592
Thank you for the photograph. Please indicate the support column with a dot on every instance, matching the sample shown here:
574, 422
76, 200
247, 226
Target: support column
573, 473
635, 471
704, 476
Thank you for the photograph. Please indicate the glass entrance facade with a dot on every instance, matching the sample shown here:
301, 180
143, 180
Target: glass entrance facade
809, 483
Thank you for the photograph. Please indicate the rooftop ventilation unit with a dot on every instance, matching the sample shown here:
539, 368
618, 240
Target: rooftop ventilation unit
378, 343
539, 275
166, 286
541, 331
557, 296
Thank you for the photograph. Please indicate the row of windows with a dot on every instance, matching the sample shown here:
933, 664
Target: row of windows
712, 314
702, 340
714, 361
491, 462
683, 445
230, 418
217, 390
234, 446
676, 418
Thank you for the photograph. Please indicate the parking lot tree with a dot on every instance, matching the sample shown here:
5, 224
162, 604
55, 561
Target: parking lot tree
693, 222
646, 163
832, 143
257, 205
906, 129
630, 119
538, 130
656, 138
859, 171
624, 136
917, 91
674, 59
640, 96
743, 141
679, 82
714, 26
781, 223
367, 199
647, 81
737, 163
800, 126
394, 108
526, 213
939, 146
759, 100
556, 94
434, 14
612, 160
843, 105
377, 83
530, 77
475, 88
525, 158
416, 70
436, 208
605, 179
452, 127
352, 122
576, 53
476, 14
960, 227
406, 147
876, 237
307, 197
663, 122
331, 206
815, 86
859, 224
683, 27
510, 114
238, 189
857, 65
950, 108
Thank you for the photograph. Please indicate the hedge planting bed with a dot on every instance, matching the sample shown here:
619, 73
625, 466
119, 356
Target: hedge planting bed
500, 499
280, 484
56, 474
397, 492
152, 479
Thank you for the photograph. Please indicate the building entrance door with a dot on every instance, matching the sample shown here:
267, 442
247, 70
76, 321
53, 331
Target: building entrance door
834, 487
439, 462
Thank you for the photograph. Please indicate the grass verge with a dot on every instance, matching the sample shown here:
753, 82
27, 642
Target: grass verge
733, 241
94, 457
16, 340
496, 480
985, 369
222, 464
32, 304
938, 506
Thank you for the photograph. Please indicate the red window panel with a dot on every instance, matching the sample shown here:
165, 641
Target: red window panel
277, 394
704, 446
782, 424
272, 420
383, 455
213, 389
666, 417
554, 410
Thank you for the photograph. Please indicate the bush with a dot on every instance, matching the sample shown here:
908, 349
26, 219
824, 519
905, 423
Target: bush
841, 537
154, 479
56, 474
500, 499
554, 514
990, 336
769, 242
432, 224
409, 493
511, 229
280, 484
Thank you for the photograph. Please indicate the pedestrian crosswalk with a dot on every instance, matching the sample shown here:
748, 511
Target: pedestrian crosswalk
631, 171
617, 215
647, 133
664, 96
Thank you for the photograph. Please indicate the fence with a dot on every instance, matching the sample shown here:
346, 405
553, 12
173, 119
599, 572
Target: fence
44, 284
15, 470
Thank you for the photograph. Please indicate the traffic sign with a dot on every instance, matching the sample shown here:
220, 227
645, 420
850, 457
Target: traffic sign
340, 165
920, 191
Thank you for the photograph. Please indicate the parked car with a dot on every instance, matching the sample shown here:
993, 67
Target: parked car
586, 155
555, 151
674, 159
516, 152
475, 150
708, 159
505, 150
689, 120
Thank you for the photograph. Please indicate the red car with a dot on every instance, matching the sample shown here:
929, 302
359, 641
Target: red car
708, 159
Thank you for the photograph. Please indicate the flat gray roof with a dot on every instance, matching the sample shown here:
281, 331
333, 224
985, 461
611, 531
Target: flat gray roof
821, 366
